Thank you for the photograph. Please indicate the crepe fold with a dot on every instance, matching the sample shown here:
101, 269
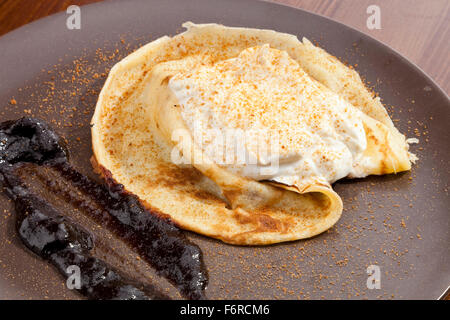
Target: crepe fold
136, 115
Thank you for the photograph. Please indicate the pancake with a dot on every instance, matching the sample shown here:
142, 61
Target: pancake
138, 112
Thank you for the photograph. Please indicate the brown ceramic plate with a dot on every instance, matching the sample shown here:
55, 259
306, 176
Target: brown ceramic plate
400, 223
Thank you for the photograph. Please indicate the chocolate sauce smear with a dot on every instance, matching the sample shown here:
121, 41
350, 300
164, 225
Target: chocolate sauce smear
28, 146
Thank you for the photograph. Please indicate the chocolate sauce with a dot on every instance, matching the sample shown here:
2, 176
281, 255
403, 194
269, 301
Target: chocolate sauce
54, 237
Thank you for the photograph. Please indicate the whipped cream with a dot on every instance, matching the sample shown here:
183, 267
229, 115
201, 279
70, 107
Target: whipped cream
277, 115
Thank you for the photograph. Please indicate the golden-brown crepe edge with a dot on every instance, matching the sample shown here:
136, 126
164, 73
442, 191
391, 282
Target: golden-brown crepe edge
133, 71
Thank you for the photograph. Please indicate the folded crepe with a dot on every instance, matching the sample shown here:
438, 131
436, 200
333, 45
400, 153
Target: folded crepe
137, 114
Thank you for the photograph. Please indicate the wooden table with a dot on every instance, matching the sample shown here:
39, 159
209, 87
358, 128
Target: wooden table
418, 29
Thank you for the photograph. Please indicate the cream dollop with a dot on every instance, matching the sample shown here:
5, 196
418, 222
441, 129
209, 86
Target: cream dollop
262, 116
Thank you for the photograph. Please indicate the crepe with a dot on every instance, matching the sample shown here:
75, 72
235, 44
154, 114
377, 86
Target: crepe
136, 115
